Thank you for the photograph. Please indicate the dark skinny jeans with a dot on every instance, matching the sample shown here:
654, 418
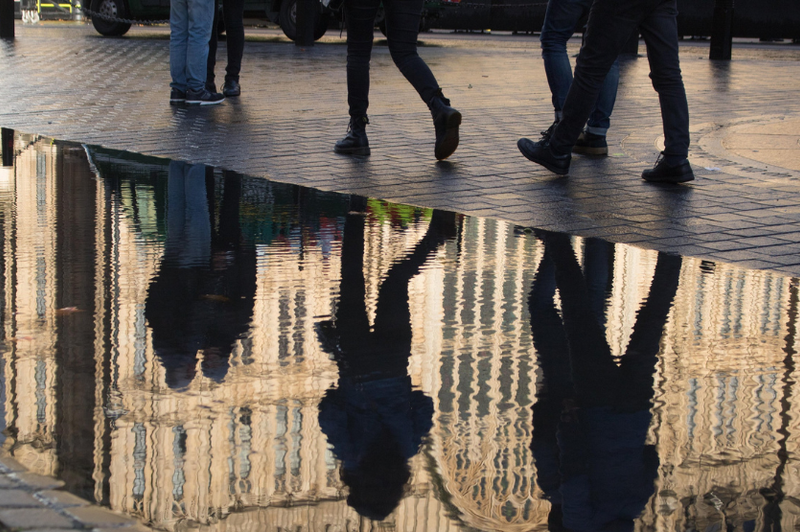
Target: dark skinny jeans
232, 15
402, 29
611, 23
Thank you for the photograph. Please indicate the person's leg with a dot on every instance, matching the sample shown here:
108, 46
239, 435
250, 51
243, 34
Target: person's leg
660, 32
201, 18
600, 119
402, 30
233, 14
212, 52
559, 24
609, 26
360, 17
178, 36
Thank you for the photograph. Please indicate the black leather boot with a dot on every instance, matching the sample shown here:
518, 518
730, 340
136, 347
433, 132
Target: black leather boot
446, 121
355, 142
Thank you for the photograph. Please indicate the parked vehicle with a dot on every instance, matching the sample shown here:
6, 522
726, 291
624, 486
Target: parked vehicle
114, 17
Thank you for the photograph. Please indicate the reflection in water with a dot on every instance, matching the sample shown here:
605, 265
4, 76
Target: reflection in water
211, 351
592, 413
373, 419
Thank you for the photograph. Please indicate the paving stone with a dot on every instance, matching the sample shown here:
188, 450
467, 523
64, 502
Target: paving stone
39, 482
34, 518
15, 498
96, 517
61, 499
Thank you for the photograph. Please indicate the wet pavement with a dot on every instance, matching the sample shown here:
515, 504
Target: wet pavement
196, 349
744, 208
399, 344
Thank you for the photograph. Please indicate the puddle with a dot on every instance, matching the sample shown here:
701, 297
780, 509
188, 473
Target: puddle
209, 351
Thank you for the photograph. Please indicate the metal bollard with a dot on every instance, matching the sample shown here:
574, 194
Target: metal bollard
6, 19
722, 30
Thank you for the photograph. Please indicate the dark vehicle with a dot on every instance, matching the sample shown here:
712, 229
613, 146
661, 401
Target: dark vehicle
114, 17
766, 19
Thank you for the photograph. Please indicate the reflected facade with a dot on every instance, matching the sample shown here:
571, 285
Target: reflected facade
180, 379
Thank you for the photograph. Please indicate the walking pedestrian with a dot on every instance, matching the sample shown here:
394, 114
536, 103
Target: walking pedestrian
611, 23
233, 20
560, 23
190, 24
402, 29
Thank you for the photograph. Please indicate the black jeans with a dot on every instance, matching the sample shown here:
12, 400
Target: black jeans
611, 23
402, 28
232, 15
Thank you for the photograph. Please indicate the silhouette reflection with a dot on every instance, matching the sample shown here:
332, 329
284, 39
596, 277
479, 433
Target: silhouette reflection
202, 298
592, 413
373, 419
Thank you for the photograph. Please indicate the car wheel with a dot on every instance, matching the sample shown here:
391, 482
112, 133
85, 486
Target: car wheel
288, 20
107, 11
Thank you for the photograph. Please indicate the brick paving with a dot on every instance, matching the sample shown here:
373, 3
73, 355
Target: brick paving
67, 82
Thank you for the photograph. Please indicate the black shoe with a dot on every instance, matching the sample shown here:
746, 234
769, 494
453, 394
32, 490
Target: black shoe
445, 121
664, 173
541, 153
176, 96
590, 144
548, 132
231, 88
203, 97
355, 142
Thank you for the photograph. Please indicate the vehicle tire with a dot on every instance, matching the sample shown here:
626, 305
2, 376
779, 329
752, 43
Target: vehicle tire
113, 9
288, 20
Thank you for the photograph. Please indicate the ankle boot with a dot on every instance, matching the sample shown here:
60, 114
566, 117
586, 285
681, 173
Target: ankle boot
445, 121
355, 142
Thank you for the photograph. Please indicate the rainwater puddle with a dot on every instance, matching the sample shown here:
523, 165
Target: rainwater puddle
209, 351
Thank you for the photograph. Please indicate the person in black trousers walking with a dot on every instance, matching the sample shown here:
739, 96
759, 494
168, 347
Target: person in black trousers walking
233, 18
610, 25
402, 29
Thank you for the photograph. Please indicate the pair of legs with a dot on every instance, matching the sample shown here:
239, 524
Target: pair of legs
232, 16
190, 24
402, 28
611, 23
560, 23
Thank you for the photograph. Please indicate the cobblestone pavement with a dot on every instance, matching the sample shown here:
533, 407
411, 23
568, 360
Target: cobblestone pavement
67, 82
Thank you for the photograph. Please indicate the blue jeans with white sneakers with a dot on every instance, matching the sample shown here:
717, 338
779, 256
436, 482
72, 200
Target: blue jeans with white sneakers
190, 23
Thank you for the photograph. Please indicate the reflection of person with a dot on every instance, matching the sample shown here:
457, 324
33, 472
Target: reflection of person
202, 297
233, 19
592, 413
611, 23
560, 22
373, 419
402, 29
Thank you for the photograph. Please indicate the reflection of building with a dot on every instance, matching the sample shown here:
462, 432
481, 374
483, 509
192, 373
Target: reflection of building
246, 453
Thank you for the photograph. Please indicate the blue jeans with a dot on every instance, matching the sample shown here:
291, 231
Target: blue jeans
402, 30
190, 24
560, 22
611, 22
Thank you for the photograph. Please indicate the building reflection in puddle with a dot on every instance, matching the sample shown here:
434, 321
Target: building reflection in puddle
206, 350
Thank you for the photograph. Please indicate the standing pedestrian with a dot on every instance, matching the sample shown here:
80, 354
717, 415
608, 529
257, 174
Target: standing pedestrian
560, 22
402, 29
190, 24
611, 23
233, 20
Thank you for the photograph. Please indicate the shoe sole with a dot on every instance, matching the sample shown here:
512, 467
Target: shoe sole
530, 157
587, 150
673, 180
196, 102
354, 151
450, 141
